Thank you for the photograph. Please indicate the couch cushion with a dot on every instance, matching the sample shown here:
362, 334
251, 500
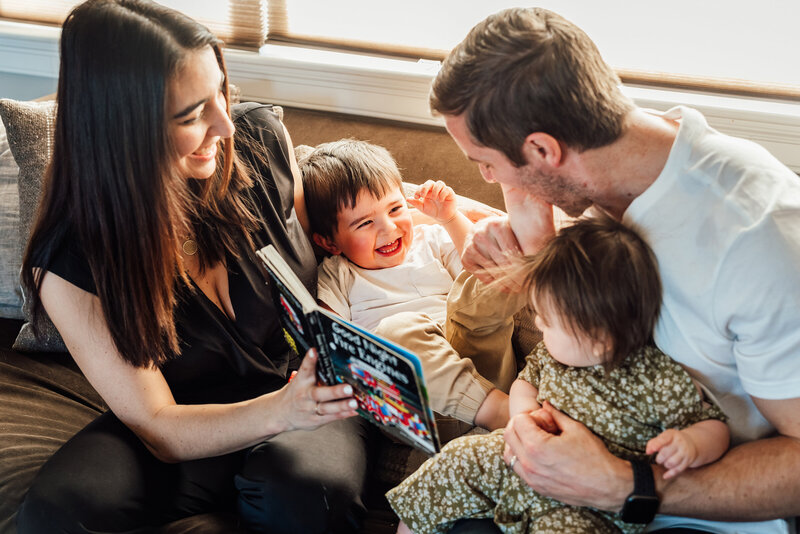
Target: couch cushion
10, 296
421, 152
29, 127
44, 400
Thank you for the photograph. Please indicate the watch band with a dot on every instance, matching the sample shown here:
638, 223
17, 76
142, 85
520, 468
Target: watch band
642, 504
643, 481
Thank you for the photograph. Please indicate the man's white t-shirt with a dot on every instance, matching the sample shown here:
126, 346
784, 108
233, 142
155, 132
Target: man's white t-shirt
723, 219
420, 284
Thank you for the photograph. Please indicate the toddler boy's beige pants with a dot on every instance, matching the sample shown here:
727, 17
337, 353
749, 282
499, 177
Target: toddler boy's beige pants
468, 356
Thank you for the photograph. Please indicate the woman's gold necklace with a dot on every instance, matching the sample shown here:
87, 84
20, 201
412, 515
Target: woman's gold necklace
189, 247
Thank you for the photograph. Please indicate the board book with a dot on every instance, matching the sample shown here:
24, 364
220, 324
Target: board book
387, 379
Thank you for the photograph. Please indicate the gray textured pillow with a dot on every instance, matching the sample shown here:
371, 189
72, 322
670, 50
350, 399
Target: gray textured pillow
29, 127
10, 295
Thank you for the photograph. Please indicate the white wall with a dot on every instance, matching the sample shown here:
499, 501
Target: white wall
25, 87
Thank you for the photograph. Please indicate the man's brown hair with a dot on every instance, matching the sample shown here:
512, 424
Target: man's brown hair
602, 279
526, 70
335, 173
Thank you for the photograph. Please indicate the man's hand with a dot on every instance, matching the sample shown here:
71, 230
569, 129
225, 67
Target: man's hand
489, 252
531, 219
495, 242
572, 466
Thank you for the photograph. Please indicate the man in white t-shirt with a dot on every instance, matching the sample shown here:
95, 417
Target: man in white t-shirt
528, 97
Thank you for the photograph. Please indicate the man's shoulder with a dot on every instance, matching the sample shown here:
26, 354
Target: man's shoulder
724, 156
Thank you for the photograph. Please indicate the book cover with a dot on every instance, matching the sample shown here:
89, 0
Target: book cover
387, 380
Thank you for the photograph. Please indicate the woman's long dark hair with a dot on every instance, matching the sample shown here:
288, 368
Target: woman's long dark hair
111, 182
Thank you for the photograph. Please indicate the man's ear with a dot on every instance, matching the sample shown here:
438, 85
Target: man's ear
543, 148
326, 243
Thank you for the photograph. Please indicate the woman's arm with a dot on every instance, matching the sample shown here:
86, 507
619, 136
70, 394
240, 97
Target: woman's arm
143, 401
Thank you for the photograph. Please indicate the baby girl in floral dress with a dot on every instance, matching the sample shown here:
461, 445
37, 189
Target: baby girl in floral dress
596, 291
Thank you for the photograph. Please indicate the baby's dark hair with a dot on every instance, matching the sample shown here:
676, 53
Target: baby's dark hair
602, 279
335, 173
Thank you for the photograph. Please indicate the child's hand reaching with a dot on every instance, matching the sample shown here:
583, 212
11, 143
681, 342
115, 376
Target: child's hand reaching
676, 451
436, 200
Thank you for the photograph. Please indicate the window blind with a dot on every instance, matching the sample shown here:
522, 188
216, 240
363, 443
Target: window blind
711, 46
241, 23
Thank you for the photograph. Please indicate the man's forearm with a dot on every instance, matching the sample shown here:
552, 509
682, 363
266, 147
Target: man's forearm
755, 481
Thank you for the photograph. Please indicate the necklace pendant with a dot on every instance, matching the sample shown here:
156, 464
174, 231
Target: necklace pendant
189, 247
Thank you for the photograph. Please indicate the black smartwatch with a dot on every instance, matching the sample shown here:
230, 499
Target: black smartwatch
641, 505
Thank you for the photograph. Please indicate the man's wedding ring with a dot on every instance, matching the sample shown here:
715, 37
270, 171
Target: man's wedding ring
512, 462
316, 410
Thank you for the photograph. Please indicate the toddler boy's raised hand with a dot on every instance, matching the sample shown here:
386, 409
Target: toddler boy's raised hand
435, 199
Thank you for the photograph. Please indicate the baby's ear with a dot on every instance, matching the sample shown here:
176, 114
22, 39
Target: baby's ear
602, 347
326, 243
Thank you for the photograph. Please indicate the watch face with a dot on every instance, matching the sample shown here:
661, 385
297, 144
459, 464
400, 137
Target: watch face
639, 509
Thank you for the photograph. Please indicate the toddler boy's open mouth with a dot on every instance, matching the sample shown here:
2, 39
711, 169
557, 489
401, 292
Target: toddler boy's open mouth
391, 248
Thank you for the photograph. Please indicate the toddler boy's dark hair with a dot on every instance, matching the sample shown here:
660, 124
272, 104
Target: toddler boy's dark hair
602, 277
335, 173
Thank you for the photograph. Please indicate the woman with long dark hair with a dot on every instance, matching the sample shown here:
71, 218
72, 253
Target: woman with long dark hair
142, 256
